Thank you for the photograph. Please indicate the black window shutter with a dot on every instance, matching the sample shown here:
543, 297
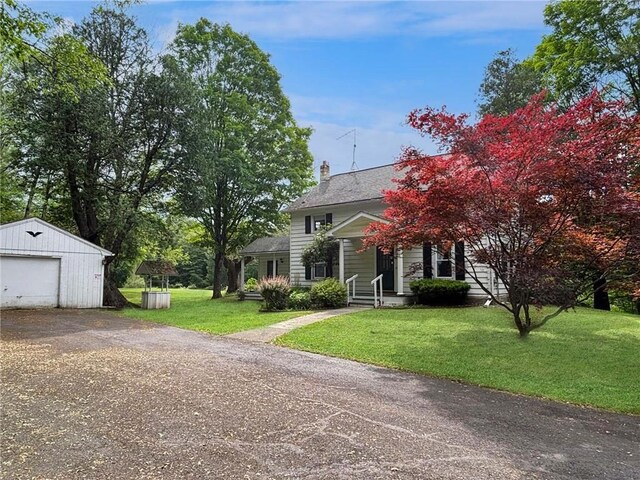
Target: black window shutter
307, 224
460, 261
307, 273
329, 270
329, 218
427, 267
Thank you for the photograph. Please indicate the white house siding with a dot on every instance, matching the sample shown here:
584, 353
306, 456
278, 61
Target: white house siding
80, 263
362, 263
482, 272
411, 256
488, 278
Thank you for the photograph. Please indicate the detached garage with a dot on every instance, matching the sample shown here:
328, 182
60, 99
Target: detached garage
42, 265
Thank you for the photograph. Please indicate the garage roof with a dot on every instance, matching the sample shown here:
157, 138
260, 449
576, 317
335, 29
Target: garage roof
34, 234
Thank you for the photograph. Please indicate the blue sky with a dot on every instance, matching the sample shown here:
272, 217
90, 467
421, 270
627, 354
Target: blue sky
360, 65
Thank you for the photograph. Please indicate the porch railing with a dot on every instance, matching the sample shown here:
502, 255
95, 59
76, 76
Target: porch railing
377, 289
351, 292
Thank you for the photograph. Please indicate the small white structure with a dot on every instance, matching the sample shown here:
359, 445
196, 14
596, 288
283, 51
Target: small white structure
44, 266
161, 270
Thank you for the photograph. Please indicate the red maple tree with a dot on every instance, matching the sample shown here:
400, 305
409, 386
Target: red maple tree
549, 199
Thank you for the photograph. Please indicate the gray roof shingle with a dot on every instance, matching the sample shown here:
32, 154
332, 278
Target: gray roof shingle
267, 245
349, 187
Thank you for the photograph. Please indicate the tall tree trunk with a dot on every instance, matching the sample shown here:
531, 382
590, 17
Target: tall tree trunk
233, 274
523, 330
218, 264
112, 297
32, 193
47, 197
600, 294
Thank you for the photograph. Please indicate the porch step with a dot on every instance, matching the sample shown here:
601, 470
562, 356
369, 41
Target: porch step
362, 303
388, 300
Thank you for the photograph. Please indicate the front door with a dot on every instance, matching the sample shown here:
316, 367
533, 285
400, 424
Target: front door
270, 271
384, 267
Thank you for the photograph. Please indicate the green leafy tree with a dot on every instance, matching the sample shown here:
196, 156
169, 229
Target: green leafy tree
20, 30
25, 46
11, 199
113, 146
593, 44
245, 157
323, 249
24, 38
507, 85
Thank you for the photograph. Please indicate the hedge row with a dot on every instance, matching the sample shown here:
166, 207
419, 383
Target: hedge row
440, 292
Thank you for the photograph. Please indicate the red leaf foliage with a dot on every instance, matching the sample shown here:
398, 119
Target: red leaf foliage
539, 190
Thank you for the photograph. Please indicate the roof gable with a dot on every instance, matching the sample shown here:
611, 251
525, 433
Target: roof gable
353, 227
34, 225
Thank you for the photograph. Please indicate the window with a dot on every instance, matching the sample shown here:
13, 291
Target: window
316, 222
443, 259
319, 270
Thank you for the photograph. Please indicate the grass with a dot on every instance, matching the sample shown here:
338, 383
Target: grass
194, 310
586, 357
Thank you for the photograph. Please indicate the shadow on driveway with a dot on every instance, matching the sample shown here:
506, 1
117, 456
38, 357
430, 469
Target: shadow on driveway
39, 324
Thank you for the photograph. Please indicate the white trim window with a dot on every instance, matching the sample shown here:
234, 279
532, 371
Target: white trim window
319, 221
443, 262
319, 270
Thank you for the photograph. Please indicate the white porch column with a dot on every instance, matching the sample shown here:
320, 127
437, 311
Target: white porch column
341, 260
400, 265
242, 273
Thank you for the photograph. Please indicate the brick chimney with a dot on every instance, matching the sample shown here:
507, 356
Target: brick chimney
324, 171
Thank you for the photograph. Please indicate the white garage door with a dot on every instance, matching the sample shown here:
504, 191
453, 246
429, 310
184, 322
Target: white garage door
29, 282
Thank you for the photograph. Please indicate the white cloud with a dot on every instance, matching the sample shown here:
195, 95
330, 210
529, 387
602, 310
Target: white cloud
360, 19
463, 17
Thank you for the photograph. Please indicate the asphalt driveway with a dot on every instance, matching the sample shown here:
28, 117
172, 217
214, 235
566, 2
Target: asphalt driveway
89, 395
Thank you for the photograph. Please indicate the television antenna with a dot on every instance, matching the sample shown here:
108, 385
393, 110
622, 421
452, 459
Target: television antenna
353, 157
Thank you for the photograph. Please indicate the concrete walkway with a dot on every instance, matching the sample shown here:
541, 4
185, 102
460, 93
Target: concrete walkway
269, 333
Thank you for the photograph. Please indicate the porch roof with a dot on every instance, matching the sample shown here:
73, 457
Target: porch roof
353, 227
267, 245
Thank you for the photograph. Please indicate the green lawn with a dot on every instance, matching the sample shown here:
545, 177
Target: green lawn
194, 310
585, 357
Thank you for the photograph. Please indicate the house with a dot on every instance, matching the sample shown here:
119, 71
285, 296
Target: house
42, 265
349, 202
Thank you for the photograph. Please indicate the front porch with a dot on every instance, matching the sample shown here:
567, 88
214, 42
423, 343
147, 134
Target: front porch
271, 257
372, 276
